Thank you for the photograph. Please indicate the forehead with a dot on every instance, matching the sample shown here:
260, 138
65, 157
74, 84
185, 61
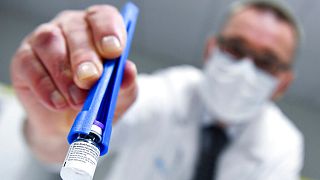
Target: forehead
263, 31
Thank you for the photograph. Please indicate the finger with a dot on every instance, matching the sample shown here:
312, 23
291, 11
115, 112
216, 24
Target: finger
35, 77
125, 99
129, 75
49, 45
85, 62
108, 30
128, 90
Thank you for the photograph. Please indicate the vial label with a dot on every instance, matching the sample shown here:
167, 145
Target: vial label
83, 157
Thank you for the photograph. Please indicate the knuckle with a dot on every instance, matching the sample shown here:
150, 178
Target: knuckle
76, 26
44, 82
101, 8
72, 21
45, 34
106, 20
111, 25
69, 14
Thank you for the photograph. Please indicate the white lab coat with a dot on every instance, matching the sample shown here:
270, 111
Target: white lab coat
157, 139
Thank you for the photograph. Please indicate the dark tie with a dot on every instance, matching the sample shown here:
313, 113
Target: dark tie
213, 141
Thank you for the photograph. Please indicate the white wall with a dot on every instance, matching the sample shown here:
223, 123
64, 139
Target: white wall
12, 30
306, 117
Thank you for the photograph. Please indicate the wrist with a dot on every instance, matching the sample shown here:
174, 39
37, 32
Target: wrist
49, 148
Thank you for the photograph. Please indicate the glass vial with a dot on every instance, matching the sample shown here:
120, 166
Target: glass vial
82, 157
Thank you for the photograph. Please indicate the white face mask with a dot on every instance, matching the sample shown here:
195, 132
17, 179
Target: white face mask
234, 91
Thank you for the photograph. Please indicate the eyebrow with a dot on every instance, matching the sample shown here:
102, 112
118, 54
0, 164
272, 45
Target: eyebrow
264, 50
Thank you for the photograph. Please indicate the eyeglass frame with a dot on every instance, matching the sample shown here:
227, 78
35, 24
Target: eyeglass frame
274, 66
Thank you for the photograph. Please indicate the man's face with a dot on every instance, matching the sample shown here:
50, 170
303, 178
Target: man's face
264, 36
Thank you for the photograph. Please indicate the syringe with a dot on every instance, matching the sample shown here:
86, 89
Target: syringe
90, 134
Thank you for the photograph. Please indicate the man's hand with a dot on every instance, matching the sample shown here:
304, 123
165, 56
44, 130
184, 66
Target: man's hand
56, 65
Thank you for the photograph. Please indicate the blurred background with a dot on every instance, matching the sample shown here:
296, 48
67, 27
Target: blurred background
172, 33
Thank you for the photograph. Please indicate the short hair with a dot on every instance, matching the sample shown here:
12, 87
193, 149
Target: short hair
278, 7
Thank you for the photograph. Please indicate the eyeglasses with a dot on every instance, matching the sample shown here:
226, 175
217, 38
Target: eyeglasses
265, 61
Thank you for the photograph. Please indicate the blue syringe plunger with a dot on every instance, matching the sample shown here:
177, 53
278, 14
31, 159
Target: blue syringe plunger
100, 104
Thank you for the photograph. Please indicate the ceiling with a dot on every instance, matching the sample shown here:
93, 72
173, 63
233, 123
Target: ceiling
175, 30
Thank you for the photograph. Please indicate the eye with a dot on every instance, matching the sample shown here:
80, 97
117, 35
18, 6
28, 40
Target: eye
237, 51
233, 46
267, 62
236, 48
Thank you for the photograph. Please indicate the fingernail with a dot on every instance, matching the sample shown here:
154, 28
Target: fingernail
77, 95
111, 44
58, 100
87, 70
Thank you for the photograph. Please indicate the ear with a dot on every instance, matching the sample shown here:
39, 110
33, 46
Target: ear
285, 80
209, 46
